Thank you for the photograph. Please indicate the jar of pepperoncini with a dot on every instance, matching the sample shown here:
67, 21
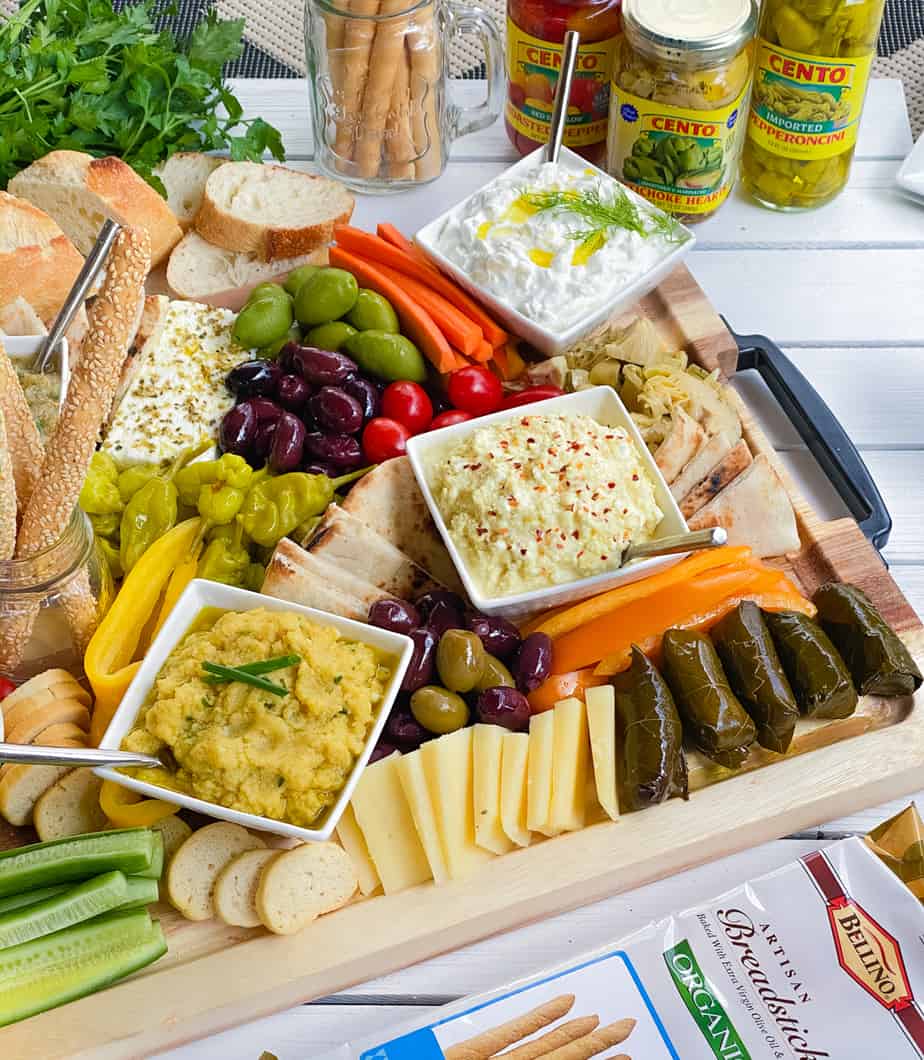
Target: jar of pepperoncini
535, 38
813, 65
680, 84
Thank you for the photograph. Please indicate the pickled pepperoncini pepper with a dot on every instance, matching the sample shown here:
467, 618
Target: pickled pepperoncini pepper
216, 488
226, 558
99, 494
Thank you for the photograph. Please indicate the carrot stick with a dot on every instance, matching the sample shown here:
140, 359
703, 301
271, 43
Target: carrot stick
418, 324
378, 250
384, 59
399, 147
387, 231
358, 35
483, 353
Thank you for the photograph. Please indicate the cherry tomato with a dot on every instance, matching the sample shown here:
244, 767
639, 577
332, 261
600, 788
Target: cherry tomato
383, 439
476, 390
6, 687
447, 419
531, 394
409, 404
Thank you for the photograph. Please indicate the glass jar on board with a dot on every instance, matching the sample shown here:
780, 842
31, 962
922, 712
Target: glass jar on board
679, 101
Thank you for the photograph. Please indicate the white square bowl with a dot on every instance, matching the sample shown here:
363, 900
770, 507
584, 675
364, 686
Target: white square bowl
601, 403
22, 349
199, 594
617, 300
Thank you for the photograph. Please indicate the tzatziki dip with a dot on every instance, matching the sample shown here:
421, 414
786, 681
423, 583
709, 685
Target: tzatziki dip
556, 242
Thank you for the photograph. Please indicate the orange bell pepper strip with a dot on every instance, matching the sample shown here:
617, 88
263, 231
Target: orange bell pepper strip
596, 607
127, 809
561, 686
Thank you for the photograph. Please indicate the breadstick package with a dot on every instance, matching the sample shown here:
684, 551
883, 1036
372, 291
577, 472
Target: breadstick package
822, 958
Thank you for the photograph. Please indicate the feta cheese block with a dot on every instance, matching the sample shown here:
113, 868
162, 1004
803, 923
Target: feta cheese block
487, 746
601, 723
514, 763
539, 773
351, 839
414, 784
570, 765
176, 394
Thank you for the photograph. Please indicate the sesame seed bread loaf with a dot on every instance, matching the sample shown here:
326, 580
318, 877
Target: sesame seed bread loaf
183, 176
270, 211
80, 192
202, 272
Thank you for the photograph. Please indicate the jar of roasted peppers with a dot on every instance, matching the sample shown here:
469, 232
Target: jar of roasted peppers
535, 34
813, 65
678, 101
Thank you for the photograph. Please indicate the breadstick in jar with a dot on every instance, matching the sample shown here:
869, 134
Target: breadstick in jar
424, 44
358, 35
399, 146
23, 438
7, 496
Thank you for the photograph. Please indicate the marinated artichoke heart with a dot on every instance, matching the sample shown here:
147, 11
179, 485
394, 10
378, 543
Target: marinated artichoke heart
694, 89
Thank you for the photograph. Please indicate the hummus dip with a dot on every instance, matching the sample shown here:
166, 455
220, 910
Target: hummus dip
284, 757
541, 500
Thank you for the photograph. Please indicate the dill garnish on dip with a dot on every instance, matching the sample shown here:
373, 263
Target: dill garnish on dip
555, 243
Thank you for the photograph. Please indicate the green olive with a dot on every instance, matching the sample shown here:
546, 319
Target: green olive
330, 336
494, 675
267, 290
298, 276
387, 356
439, 710
261, 323
327, 295
372, 312
271, 352
460, 658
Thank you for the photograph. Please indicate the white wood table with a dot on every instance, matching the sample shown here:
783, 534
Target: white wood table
842, 291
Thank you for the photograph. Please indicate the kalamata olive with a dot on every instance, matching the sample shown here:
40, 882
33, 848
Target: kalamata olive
420, 669
318, 467
382, 750
444, 616
533, 663
397, 615
288, 444
253, 378
322, 367
237, 431
427, 601
366, 393
404, 730
460, 659
505, 707
439, 710
292, 392
499, 637
335, 410
263, 440
266, 411
494, 675
340, 450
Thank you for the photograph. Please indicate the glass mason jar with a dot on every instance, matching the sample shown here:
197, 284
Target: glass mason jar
814, 59
51, 603
678, 101
377, 73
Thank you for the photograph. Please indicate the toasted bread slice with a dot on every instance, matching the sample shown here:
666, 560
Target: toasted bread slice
302, 884
70, 806
236, 887
183, 176
736, 460
271, 211
22, 786
198, 863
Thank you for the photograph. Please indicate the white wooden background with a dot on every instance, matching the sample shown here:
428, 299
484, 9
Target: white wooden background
842, 291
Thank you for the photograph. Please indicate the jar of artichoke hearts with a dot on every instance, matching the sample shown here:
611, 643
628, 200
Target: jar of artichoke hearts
813, 65
679, 99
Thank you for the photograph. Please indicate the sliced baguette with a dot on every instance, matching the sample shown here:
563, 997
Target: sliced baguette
303, 884
197, 864
184, 175
25, 722
202, 272
70, 807
80, 192
236, 888
57, 680
22, 786
271, 211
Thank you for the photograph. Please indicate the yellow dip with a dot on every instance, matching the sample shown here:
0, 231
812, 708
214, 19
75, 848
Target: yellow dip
285, 757
541, 500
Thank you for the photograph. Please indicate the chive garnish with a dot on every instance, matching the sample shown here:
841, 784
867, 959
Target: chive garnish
281, 662
237, 673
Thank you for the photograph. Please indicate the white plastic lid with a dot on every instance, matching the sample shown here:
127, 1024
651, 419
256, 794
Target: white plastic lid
712, 25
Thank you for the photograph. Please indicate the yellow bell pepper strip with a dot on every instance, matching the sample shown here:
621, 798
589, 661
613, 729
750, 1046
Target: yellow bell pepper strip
127, 809
182, 575
108, 662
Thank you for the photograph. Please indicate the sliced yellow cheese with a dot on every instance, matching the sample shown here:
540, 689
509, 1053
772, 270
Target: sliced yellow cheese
601, 723
351, 839
487, 749
570, 766
414, 783
448, 768
539, 773
385, 820
513, 787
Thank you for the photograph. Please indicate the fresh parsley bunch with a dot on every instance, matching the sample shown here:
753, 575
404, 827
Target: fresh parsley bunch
77, 74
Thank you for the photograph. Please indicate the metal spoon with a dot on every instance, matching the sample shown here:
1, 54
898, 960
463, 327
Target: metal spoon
562, 94
713, 537
74, 756
77, 295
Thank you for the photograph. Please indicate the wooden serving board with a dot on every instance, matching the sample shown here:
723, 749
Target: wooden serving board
215, 977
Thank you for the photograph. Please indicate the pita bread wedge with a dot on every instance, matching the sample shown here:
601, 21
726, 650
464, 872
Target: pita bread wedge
712, 450
295, 575
345, 541
736, 460
679, 447
389, 501
755, 510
